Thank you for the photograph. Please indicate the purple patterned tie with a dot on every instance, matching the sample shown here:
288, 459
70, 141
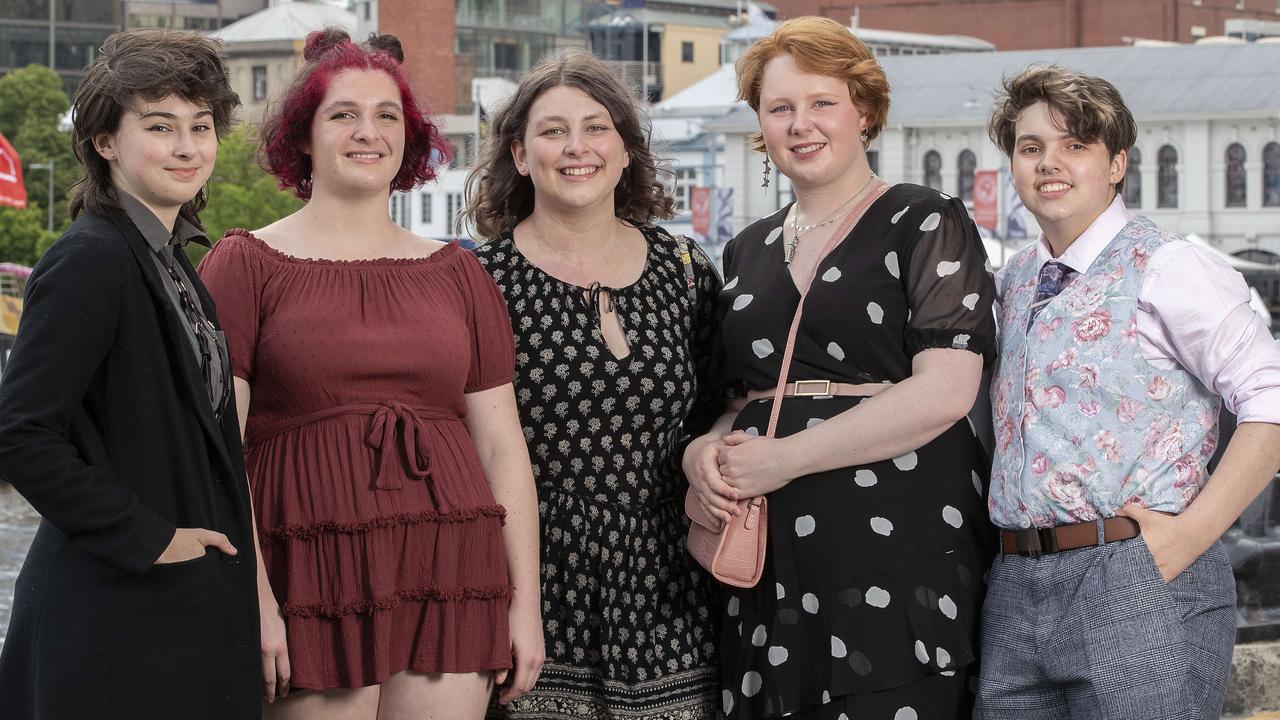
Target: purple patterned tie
1054, 276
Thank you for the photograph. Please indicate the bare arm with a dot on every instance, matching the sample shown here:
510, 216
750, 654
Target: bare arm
276, 670
1247, 466
495, 428
940, 391
701, 464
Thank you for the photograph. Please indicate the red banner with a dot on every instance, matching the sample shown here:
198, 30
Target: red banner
700, 208
986, 191
12, 192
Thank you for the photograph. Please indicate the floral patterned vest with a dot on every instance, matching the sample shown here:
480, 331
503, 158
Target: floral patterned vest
1084, 423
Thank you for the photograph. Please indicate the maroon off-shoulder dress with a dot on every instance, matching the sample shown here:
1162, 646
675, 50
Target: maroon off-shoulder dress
378, 529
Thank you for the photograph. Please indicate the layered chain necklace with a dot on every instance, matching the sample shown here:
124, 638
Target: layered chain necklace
798, 231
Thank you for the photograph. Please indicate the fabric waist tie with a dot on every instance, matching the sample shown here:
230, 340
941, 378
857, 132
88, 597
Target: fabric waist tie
389, 417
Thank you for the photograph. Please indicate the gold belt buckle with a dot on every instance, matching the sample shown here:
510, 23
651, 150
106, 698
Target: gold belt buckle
825, 390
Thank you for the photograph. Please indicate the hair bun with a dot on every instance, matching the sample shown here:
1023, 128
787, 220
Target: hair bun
320, 42
386, 43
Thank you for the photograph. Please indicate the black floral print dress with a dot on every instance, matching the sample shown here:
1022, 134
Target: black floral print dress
629, 626
874, 574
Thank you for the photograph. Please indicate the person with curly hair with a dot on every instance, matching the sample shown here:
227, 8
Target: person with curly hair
614, 322
373, 371
117, 424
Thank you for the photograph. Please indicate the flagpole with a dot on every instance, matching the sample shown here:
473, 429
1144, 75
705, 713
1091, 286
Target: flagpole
475, 113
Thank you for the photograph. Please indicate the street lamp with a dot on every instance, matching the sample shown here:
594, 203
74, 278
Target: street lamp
48, 167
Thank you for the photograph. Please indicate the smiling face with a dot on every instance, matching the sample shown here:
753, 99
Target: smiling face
357, 134
162, 153
571, 152
1063, 180
811, 126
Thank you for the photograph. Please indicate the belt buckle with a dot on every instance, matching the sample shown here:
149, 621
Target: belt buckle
824, 392
1035, 542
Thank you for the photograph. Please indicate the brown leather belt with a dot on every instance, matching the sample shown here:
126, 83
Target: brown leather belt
821, 389
1045, 541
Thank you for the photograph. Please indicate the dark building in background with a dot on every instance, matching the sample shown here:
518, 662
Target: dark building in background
80, 27
1036, 24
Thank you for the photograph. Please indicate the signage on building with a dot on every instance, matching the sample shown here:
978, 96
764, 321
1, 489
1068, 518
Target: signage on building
12, 192
700, 209
986, 193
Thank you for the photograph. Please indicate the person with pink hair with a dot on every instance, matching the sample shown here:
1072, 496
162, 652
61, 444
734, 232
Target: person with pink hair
373, 368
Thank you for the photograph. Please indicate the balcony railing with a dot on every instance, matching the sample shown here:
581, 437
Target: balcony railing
635, 73
506, 21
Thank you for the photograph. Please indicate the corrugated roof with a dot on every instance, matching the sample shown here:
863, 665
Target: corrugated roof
1182, 80
286, 20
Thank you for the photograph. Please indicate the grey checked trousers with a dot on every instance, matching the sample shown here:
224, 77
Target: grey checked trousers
1096, 634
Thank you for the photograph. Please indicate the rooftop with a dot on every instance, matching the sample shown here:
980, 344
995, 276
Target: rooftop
1156, 81
286, 20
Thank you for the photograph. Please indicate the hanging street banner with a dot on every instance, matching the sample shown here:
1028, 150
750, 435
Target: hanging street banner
12, 192
986, 193
700, 210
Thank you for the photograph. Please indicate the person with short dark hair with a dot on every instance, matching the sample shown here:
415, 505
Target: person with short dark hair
373, 368
878, 541
117, 422
614, 320
1112, 598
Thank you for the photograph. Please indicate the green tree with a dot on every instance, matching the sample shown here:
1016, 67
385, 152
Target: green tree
22, 235
31, 103
241, 193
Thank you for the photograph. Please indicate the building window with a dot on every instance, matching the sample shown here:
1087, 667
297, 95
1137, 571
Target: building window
395, 209
366, 6
686, 51
1167, 177
1271, 175
259, 82
426, 208
506, 56
1133, 179
967, 164
933, 170
686, 178
1236, 182
453, 206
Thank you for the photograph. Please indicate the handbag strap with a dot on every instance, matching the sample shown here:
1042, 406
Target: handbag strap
836, 237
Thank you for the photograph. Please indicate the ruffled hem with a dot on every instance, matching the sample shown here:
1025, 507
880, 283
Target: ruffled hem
309, 530
391, 602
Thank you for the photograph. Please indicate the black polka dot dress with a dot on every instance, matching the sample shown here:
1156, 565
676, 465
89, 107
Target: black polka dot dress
874, 574
629, 621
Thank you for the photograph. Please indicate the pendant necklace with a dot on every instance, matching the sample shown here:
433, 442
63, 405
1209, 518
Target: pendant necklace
798, 231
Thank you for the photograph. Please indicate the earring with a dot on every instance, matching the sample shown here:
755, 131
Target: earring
765, 184
864, 137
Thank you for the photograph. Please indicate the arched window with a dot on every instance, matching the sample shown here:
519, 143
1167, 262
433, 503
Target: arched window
933, 170
1167, 177
1237, 185
966, 163
1133, 179
1271, 175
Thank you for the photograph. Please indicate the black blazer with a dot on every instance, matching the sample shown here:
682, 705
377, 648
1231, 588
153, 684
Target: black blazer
107, 430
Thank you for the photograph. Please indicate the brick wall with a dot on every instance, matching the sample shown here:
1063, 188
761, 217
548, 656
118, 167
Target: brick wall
1035, 24
425, 29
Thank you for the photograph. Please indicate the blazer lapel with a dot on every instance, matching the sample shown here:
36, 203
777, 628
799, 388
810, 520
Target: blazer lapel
190, 380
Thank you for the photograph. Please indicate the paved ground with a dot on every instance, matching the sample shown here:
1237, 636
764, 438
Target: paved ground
17, 526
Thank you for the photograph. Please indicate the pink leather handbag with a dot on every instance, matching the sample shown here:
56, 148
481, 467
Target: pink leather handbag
733, 552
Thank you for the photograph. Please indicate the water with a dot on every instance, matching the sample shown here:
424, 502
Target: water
17, 526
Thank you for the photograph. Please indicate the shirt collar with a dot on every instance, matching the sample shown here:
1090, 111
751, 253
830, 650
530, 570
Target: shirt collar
154, 231
1081, 253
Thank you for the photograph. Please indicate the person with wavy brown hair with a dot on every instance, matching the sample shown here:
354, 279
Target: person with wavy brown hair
869, 601
373, 368
117, 422
614, 320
